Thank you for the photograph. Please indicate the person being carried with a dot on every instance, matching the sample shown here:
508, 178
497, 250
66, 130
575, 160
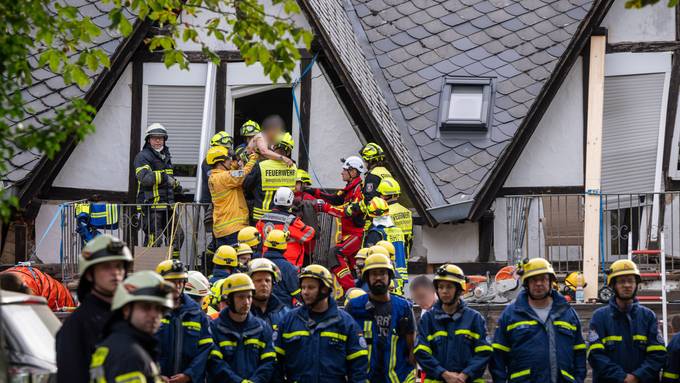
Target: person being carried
272, 127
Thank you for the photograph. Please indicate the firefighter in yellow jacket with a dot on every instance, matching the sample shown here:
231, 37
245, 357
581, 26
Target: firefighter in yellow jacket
230, 211
402, 217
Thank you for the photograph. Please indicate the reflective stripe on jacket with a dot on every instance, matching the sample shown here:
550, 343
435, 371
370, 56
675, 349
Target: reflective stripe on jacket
671, 373
266, 178
299, 233
230, 209
152, 170
403, 219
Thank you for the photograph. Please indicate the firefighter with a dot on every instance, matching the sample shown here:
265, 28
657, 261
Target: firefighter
624, 341
184, 336
353, 293
452, 345
299, 234
102, 266
225, 261
538, 337
269, 175
352, 220
304, 206
244, 254
266, 306
156, 187
276, 244
390, 190
318, 342
223, 139
128, 352
383, 231
244, 351
302, 182
197, 287
374, 156
388, 324
671, 372
359, 261
251, 237
230, 210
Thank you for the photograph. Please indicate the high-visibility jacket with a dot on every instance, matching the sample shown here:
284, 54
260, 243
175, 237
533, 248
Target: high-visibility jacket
395, 236
403, 219
394, 360
98, 215
625, 342
372, 181
352, 224
327, 349
299, 233
529, 350
274, 312
455, 343
185, 341
230, 209
264, 180
671, 372
288, 287
243, 352
153, 184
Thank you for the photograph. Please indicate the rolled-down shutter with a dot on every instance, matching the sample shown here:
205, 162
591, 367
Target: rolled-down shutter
180, 110
632, 109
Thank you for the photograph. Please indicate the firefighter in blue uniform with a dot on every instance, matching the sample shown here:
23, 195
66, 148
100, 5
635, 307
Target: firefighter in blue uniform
184, 336
244, 351
225, 261
624, 341
287, 288
388, 324
451, 336
538, 338
266, 305
318, 342
671, 373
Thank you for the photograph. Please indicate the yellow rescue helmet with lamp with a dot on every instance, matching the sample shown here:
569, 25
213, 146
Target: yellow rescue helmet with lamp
377, 250
378, 207
372, 152
389, 187
143, 286
303, 176
533, 267
317, 272
217, 154
243, 248
221, 139
361, 254
264, 264
622, 267
277, 239
225, 256
389, 247
103, 248
572, 280
354, 292
377, 262
250, 128
197, 284
250, 236
450, 273
216, 290
236, 283
285, 141
172, 269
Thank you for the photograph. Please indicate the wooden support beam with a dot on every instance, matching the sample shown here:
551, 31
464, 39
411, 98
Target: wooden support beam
644, 46
135, 125
305, 115
593, 175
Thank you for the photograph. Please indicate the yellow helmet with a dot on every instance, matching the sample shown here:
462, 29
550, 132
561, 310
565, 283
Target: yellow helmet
250, 128
378, 207
303, 176
533, 267
622, 267
572, 280
236, 283
225, 256
285, 141
451, 273
172, 269
217, 154
264, 264
250, 236
277, 239
221, 139
317, 272
243, 248
377, 250
143, 286
216, 291
389, 187
375, 262
389, 247
362, 253
354, 292
372, 152
197, 284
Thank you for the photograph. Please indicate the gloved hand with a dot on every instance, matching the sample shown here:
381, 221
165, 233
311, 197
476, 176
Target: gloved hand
135, 220
351, 208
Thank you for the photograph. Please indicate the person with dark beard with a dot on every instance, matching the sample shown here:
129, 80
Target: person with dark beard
388, 323
538, 337
625, 344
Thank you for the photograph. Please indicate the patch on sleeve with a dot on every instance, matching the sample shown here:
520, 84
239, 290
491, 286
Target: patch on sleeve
362, 342
593, 336
237, 173
369, 187
275, 336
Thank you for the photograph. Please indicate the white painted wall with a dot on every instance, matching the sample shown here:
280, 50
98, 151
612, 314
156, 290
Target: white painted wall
49, 250
331, 134
651, 23
554, 154
101, 161
452, 243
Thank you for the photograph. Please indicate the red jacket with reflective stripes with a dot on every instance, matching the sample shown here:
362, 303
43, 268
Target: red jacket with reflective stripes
335, 205
299, 233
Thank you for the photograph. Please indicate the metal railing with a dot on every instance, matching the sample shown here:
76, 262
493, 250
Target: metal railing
552, 227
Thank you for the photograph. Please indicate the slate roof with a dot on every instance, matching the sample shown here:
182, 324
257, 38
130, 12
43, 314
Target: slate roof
410, 46
48, 92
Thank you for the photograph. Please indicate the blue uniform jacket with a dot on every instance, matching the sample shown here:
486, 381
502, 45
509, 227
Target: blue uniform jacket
455, 343
528, 350
394, 235
623, 343
274, 312
329, 349
396, 352
185, 341
241, 352
218, 274
287, 288
671, 373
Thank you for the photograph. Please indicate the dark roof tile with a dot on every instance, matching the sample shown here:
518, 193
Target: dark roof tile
435, 165
404, 23
416, 49
437, 11
449, 35
377, 5
433, 42
515, 9
447, 51
413, 79
480, 38
398, 86
420, 17
406, 98
446, 67
435, 26
407, 8
469, 13
497, 31
464, 44
418, 32
466, 29
414, 64
483, 22
452, 20
421, 123
429, 73
453, 5
430, 58
421, 107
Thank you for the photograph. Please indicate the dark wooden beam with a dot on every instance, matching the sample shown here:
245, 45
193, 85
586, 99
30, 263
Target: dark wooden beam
135, 125
220, 97
647, 46
199, 57
74, 194
486, 237
305, 114
20, 242
671, 111
539, 190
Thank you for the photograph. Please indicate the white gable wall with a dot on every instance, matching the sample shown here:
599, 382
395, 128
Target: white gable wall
651, 23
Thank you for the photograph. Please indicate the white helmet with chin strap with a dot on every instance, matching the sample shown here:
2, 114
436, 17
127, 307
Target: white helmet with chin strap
284, 197
354, 162
156, 129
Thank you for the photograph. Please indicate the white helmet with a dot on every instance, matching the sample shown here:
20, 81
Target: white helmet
197, 284
354, 162
284, 197
156, 129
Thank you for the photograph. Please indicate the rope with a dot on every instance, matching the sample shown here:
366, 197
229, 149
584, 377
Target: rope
57, 214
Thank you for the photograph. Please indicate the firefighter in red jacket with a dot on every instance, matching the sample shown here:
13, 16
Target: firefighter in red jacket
352, 220
281, 218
